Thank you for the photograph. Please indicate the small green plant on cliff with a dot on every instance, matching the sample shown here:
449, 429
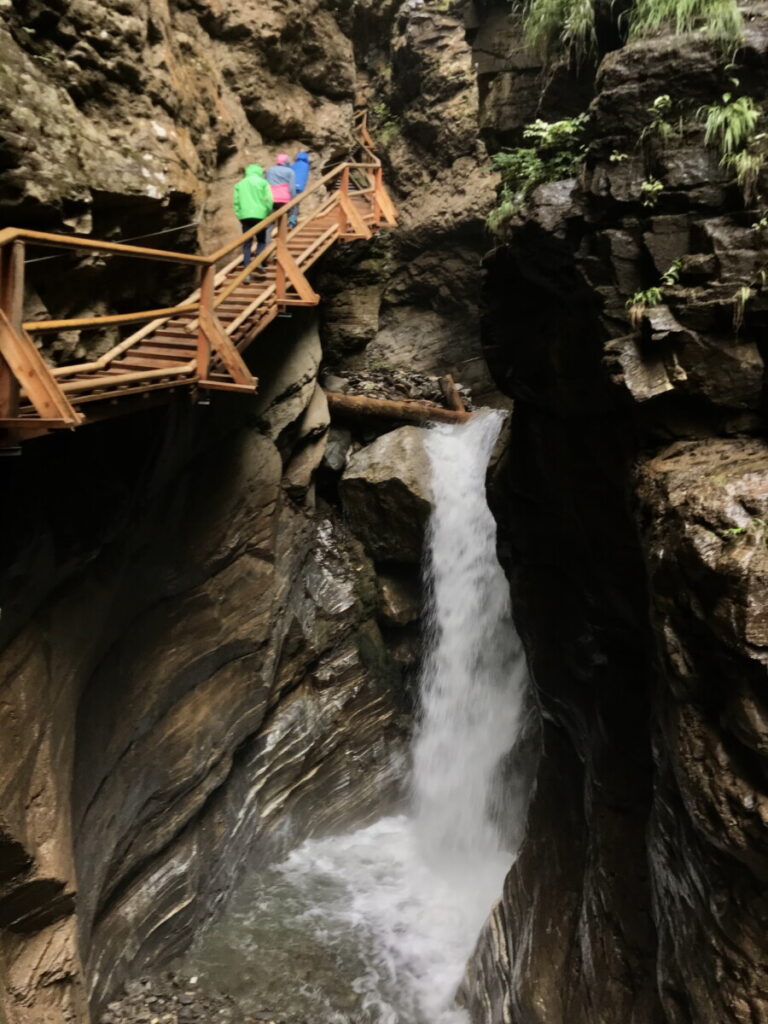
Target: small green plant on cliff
556, 152
561, 26
650, 190
388, 126
730, 124
671, 275
503, 212
756, 527
740, 299
720, 19
638, 303
747, 165
730, 127
659, 128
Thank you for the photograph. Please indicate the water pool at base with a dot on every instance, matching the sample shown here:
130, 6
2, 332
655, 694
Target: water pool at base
354, 929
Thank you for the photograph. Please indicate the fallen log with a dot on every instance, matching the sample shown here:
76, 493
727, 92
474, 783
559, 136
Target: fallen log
451, 393
385, 408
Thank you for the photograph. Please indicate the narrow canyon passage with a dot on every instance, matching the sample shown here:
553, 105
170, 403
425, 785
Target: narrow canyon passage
375, 926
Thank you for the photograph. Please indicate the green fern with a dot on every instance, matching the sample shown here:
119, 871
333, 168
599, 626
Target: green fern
747, 166
569, 26
730, 124
720, 18
556, 153
638, 303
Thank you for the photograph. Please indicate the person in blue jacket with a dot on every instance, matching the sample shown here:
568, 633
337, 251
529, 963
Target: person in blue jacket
300, 168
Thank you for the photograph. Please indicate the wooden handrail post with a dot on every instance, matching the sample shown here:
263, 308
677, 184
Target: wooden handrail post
343, 194
207, 288
378, 184
12, 304
281, 249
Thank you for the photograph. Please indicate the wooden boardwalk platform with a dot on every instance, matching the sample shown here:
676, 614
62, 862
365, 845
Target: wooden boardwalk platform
197, 343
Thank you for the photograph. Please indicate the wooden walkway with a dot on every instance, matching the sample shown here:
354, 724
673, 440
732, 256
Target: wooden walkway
197, 343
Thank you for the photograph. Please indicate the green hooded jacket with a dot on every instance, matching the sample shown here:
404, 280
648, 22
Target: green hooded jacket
253, 196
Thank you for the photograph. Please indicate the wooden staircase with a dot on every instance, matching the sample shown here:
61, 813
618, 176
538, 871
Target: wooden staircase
197, 343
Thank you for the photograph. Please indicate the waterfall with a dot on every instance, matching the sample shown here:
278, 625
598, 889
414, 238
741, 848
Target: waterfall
376, 926
474, 671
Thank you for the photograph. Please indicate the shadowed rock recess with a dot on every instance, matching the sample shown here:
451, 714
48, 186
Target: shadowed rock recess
210, 614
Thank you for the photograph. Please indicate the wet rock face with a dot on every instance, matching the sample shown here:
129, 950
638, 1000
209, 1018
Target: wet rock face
706, 535
193, 668
632, 508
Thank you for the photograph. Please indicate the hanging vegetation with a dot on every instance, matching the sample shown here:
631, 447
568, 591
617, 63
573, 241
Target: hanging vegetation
569, 27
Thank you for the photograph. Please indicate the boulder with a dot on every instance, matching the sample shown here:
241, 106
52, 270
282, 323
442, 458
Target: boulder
385, 495
400, 599
339, 442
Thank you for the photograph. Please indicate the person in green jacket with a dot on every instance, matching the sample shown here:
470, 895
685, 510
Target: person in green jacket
252, 202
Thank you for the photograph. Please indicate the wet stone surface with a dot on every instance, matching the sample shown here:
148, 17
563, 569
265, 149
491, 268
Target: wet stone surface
175, 999
394, 384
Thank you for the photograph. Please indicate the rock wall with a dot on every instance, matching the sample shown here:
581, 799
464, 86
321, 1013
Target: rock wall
195, 650
193, 671
632, 502
135, 119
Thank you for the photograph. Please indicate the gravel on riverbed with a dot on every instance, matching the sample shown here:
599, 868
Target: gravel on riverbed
175, 999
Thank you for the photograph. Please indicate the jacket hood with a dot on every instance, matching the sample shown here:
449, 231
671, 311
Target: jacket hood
254, 171
303, 156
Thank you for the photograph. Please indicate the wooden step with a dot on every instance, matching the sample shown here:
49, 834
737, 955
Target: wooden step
172, 344
149, 363
179, 355
163, 332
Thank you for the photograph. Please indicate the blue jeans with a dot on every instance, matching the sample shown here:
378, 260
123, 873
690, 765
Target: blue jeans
261, 239
293, 217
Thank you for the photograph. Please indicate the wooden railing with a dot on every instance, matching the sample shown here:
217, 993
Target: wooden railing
350, 201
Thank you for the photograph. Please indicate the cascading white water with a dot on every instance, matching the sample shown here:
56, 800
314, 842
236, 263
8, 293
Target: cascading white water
474, 672
375, 927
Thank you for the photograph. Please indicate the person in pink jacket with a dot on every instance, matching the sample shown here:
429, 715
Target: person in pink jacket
282, 181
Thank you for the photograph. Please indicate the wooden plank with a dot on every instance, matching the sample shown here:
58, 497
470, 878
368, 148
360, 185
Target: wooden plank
250, 310
130, 390
226, 351
139, 362
29, 369
289, 270
12, 301
382, 408
34, 422
128, 378
51, 241
359, 228
203, 357
173, 352
451, 393
84, 322
225, 385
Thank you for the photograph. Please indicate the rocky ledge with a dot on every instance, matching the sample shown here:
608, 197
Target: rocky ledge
632, 507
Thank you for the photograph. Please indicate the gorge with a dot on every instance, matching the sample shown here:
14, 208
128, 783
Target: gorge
211, 626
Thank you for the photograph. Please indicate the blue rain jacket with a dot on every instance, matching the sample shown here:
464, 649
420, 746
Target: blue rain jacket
301, 169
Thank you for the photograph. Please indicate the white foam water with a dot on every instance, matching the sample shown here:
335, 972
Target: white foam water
375, 927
